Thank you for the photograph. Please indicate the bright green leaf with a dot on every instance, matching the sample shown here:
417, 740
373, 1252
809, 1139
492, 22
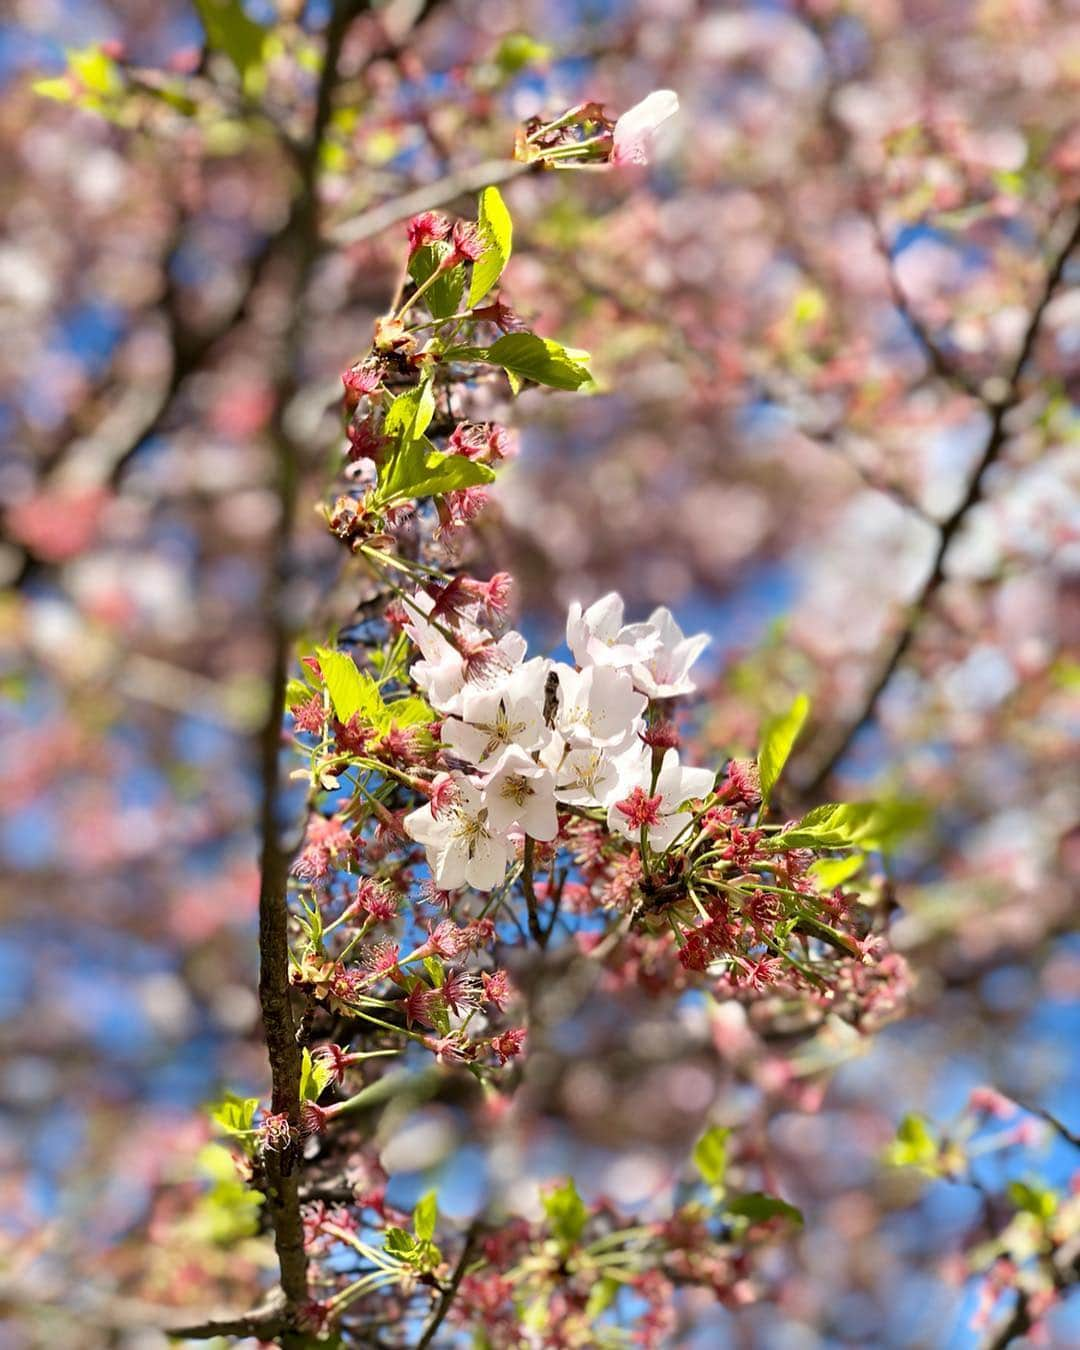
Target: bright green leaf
235, 1115
566, 1213
833, 872
399, 1243
1033, 1199
518, 50
914, 1145
425, 1216
351, 690
59, 88
497, 231
95, 71
778, 738
524, 356
315, 1074
601, 1297
417, 469
710, 1154
410, 414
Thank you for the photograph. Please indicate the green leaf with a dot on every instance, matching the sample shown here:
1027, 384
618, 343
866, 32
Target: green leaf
314, 1076
833, 872
524, 356
410, 414
417, 469
425, 1216
95, 71
1033, 1199
601, 1297
778, 738
399, 1243
842, 824
710, 1154
296, 691
409, 712
497, 231
833, 825
566, 1213
518, 50
235, 1115
58, 87
351, 690
759, 1207
444, 296
229, 30
914, 1145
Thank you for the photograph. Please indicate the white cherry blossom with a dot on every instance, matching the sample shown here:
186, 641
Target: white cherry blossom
598, 706
635, 129
661, 809
461, 846
589, 775
597, 636
665, 674
447, 667
509, 713
520, 792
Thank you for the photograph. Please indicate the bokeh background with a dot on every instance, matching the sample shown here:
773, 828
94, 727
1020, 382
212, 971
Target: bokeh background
772, 446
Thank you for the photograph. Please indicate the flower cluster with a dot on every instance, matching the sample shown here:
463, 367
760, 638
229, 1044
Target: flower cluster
536, 737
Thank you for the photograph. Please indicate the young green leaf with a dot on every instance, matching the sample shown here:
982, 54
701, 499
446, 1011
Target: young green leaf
230, 30
315, 1074
410, 414
497, 231
425, 1216
417, 469
524, 356
566, 1213
234, 1114
351, 691
777, 740
914, 1145
710, 1155
444, 296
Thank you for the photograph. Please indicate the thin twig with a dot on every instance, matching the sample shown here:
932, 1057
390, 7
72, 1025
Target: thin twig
450, 1289
444, 191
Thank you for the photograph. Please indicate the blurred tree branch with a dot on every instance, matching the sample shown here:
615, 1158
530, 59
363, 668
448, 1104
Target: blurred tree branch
997, 436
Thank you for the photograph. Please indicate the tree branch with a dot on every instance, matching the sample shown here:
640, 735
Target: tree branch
298, 245
450, 1289
460, 183
997, 436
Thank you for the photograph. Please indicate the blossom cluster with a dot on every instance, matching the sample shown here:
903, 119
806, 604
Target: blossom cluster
536, 736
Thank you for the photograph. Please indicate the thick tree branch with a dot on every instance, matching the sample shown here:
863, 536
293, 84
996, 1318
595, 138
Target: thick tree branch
298, 249
996, 438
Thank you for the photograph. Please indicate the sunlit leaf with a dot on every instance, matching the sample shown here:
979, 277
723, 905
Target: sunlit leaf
777, 739
497, 231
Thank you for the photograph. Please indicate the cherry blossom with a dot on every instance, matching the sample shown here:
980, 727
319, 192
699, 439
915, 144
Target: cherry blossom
461, 848
661, 807
597, 636
598, 706
510, 713
635, 129
665, 674
520, 792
